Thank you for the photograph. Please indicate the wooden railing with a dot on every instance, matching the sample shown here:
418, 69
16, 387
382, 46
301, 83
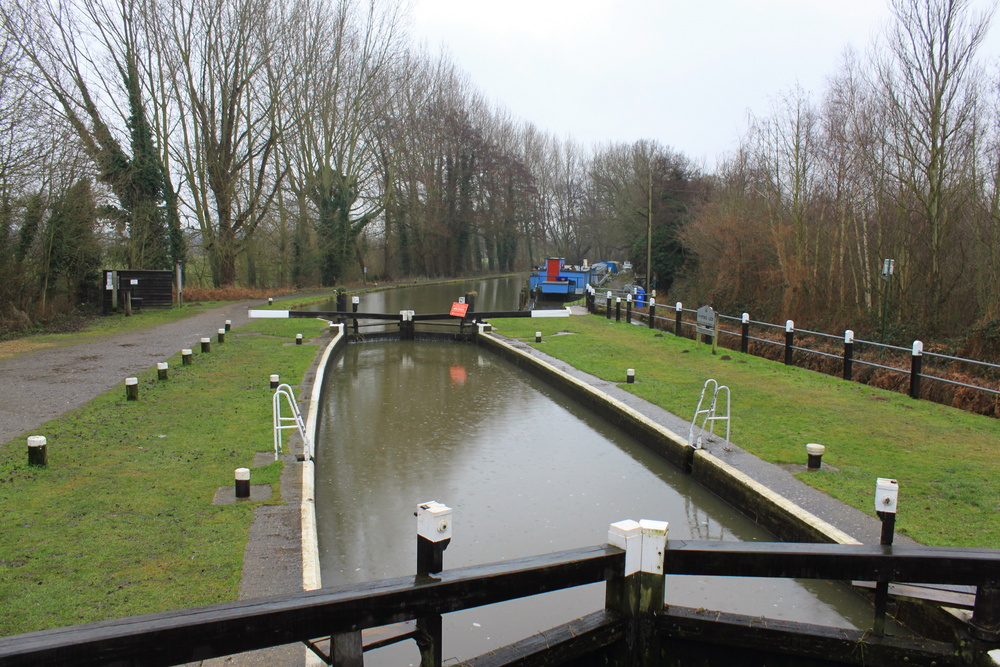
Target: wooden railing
635, 581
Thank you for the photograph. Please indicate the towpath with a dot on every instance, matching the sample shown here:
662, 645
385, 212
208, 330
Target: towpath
44, 382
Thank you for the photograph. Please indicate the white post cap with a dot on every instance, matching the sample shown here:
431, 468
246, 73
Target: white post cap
918, 348
849, 336
652, 301
355, 299
679, 306
746, 318
186, 352
222, 331
886, 495
813, 449
206, 340
434, 521
274, 378
243, 474
131, 381
161, 366
36, 441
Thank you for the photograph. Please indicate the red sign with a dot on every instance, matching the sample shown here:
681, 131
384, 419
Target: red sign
459, 309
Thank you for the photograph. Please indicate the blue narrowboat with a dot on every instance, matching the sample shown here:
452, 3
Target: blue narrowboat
558, 282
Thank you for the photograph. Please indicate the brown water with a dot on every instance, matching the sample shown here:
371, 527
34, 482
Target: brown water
527, 471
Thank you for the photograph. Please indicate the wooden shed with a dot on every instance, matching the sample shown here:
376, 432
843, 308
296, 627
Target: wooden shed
148, 289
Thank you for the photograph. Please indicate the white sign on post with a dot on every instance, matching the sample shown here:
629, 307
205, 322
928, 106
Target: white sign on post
706, 321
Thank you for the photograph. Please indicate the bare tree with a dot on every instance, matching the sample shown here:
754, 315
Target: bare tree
926, 75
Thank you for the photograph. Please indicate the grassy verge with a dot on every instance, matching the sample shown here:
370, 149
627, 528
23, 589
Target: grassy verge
121, 521
945, 459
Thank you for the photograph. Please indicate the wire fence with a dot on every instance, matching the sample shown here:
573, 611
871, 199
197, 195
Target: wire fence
963, 383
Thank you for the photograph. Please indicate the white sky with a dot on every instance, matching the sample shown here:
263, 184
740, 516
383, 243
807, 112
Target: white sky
683, 72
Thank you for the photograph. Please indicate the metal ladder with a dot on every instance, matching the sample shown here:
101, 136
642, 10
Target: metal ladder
280, 422
709, 413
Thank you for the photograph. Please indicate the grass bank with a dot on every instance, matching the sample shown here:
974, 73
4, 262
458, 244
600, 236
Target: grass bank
121, 521
945, 459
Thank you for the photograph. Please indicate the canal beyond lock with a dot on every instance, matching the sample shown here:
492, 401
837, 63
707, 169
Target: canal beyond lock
526, 470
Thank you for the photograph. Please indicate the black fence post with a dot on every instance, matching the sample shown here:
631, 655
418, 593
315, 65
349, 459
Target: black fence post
618, 309
628, 308
745, 334
355, 301
607, 308
916, 362
848, 355
652, 313
886, 495
433, 537
678, 314
985, 622
789, 341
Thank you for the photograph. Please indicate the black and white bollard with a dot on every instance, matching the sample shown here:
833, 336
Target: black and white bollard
222, 335
630, 376
815, 454
275, 381
161, 370
206, 344
37, 451
132, 389
848, 355
243, 482
186, 357
538, 336
886, 497
229, 325
433, 537
298, 339
789, 342
618, 309
745, 333
916, 362
637, 593
270, 300
678, 318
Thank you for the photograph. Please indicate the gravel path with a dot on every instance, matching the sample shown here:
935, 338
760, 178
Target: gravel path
44, 383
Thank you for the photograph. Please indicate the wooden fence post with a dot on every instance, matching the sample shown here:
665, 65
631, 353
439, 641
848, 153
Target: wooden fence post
916, 362
637, 593
789, 341
745, 334
433, 537
848, 355
678, 314
886, 496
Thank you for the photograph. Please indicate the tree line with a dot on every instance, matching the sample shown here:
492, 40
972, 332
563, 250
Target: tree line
309, 142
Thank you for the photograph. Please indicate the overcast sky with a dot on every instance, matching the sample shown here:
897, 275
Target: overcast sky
683, 72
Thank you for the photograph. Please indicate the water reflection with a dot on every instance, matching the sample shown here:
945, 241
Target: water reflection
527, 472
